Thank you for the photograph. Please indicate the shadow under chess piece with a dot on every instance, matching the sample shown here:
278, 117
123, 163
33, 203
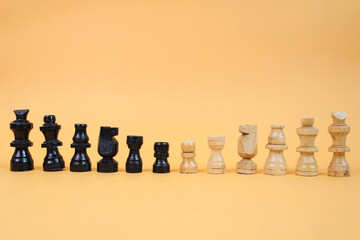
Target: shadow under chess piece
80, 162
339, 131
216, 163
134, 162
21, 159
161, 154
247, 149
188, 165
108, 148
306, 164
275, 163
53, 161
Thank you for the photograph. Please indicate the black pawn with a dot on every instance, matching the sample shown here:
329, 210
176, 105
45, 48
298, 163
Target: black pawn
21, 159
80, 162
53, 161
134, 162
108, 147
161, 164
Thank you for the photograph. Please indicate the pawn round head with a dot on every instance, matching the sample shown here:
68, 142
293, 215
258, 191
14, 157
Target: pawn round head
49, 119
188, 146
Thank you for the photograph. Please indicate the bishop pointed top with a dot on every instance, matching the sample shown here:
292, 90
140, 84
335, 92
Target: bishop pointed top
339, 117
21, 114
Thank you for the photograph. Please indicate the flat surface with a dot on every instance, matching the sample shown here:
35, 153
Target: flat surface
174, 71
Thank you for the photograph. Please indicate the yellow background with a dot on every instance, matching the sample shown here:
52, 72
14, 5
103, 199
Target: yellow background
174, 71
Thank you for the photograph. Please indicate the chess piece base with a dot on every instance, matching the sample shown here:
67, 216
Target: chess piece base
107, 166
246, 166
82, 166
216, 170
161, 169
21, 160
339, 167
313, 173
189, 171
275, 172
131, 168
53, 167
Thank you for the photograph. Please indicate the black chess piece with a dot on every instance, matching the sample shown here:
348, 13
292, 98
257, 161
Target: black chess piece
80, 162
161, 164
108, 148
21, 159
134, 162
53, 160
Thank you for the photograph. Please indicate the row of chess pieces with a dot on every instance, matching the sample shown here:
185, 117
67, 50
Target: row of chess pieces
247, 148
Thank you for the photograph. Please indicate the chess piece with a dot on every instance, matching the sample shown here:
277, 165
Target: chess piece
247, 149
306, 165
21, 159
53, 160
188, 164
107, 148
134, 162
161, 164
80, 162
275, 163
339, 130
216, 163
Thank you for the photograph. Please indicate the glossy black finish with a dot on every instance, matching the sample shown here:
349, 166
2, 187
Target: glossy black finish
134, 162
108, 147
80, 162
21, 159
161, 164
53, 161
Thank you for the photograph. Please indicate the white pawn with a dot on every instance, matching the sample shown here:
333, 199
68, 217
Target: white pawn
216, 163
188, 164
275, 163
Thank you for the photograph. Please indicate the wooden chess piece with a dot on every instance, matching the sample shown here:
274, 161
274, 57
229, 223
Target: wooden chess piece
306, 164
247, 149
21, 159
53, 160
188, 164
108, 148
339, 130
275, 163
80, 162
216, 163
161, 164
134, 162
